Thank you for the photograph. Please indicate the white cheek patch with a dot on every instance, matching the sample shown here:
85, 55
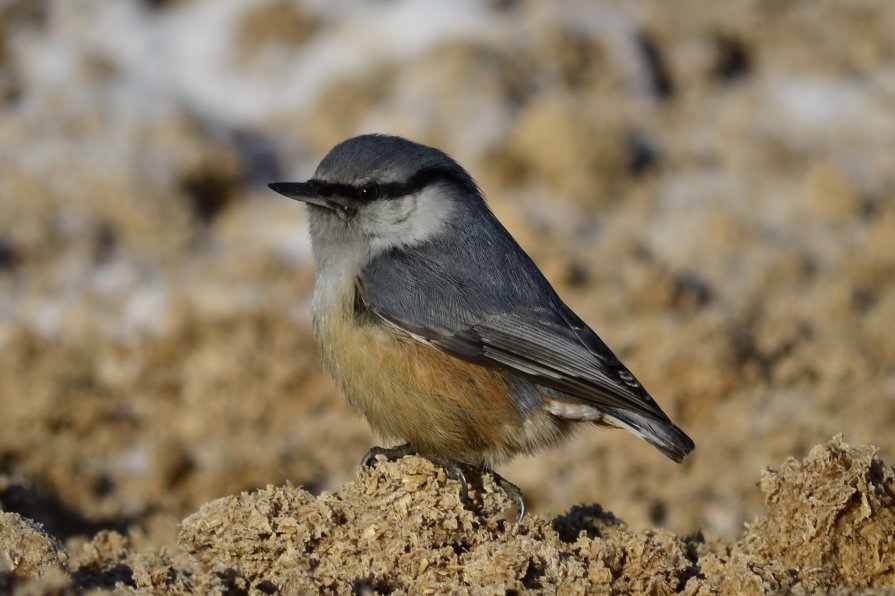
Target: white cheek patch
406, 221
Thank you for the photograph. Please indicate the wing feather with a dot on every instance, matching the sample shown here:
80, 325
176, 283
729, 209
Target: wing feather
542, 347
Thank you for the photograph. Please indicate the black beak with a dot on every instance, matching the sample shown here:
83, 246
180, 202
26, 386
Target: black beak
301, 191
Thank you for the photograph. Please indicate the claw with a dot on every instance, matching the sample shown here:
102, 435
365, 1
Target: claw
455, 471
390, 453
513, 492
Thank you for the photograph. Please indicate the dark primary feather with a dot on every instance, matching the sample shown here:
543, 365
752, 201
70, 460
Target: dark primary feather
481, 298
546, 350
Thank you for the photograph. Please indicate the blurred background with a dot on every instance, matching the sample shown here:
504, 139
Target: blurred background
711, 186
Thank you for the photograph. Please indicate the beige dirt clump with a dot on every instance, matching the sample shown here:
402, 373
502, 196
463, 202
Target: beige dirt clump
26, 550
830, 518
401, 528
30, 557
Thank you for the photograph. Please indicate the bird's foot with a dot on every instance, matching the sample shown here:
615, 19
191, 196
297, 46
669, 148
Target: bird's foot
453, 470
390, 453
458, 473
513, 492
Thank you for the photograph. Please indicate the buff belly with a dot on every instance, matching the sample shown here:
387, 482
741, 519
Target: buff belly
444, 407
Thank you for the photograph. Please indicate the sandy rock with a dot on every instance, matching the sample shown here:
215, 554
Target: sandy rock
401, 528
31, 561
830, 519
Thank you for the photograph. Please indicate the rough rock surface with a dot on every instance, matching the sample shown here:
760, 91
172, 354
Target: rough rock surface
401, 528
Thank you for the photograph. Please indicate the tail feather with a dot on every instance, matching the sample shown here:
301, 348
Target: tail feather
663, 435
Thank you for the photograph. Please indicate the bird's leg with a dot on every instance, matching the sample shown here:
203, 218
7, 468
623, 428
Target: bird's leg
390, 453
512, 491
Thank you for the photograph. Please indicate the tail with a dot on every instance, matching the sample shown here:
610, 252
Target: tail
661, 434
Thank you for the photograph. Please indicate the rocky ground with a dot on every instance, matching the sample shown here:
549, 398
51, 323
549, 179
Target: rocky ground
401, 528
710, 187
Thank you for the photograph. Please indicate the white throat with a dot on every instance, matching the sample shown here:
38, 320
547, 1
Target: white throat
343, 247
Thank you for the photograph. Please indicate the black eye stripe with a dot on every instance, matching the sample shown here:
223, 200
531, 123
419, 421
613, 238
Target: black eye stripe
393, 190
369, 192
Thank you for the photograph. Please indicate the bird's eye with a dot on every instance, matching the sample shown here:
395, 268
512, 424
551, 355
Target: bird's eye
369, 192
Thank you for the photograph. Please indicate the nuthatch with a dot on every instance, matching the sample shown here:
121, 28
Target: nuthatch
439, 328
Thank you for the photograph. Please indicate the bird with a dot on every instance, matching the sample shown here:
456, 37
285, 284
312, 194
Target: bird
438, 327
